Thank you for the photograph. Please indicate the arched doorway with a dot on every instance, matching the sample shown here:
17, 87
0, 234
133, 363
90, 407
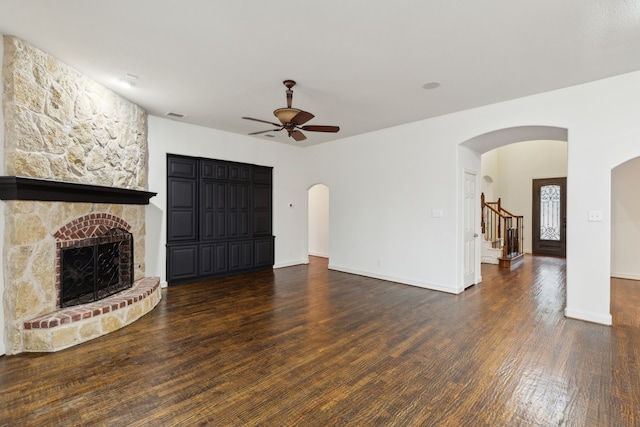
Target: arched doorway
318, 221
625, 233
487, 142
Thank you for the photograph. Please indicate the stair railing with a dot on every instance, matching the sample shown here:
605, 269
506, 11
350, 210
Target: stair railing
500, 225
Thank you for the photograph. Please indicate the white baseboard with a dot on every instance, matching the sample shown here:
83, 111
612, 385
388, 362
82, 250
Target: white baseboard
400, 280
629, 276
289, 263
321, 255
603, 319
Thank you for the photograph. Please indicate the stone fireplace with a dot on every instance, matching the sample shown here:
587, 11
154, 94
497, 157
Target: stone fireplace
40, 232
75, 160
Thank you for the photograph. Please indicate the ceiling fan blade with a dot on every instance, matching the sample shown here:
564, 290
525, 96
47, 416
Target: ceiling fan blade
297, 135
316, 128
302, 117
261, 121
264, 131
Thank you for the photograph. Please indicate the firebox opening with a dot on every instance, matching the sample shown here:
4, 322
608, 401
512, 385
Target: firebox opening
97, 267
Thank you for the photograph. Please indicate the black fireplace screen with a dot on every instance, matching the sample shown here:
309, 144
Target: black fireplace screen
95, 268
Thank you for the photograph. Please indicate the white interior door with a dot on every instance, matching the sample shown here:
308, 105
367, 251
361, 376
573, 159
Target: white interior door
470, 233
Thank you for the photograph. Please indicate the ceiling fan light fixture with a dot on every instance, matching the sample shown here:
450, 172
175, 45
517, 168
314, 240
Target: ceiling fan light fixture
292, 119
285, 115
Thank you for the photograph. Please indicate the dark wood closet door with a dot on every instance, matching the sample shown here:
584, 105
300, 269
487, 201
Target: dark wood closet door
219, 218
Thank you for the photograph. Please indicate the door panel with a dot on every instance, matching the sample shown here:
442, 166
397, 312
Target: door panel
206, 264
181, 167
470, 232
220, 256
207, 210
263, 254
238, 211
182, 262
261, 209
181, 201
549, 218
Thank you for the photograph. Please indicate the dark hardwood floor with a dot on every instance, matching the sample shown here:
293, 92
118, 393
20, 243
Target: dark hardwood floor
304, 346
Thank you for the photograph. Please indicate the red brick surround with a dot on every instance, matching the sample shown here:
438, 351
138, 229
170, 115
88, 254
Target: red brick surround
88, 226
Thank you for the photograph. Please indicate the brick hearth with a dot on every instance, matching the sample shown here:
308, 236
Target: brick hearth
73, 325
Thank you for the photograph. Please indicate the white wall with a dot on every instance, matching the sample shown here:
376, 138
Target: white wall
490, 175
319, 220
385, 184
625, 220
384, 187
513, 168
289, 224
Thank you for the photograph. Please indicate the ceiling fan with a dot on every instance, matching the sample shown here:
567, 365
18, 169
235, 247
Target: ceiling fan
292, 119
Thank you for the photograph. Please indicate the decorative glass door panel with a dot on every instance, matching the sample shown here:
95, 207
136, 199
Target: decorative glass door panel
549, 217
550, 212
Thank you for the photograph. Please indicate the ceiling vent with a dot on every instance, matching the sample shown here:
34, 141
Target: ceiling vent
173, 115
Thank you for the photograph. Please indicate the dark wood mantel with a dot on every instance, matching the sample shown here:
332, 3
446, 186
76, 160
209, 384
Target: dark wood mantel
23, 188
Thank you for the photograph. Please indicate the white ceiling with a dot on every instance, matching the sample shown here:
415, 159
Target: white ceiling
359, 64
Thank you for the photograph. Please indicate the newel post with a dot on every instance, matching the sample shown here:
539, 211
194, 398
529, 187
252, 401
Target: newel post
482, 224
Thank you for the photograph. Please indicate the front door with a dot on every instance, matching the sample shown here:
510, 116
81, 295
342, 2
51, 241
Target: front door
549, 218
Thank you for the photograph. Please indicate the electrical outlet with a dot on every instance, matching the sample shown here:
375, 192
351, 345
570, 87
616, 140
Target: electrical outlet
594, 216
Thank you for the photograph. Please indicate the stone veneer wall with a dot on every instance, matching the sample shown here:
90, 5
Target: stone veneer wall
61, 125
64, 126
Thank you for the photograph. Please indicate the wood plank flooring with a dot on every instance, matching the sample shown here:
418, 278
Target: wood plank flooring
304, 346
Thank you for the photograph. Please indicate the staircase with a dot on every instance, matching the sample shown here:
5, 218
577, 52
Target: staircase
502, 234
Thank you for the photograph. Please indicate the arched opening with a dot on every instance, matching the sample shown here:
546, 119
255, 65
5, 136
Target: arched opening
511, 176
498, 138
625, 252
318, 221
